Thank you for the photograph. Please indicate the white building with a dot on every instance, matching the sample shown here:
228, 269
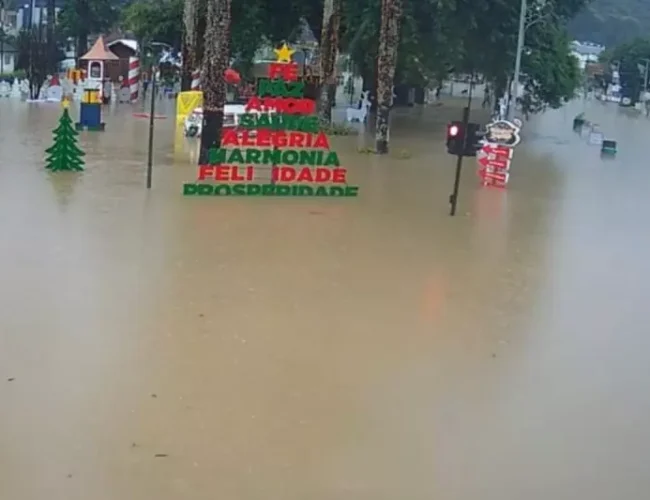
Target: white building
586, 52
7, 58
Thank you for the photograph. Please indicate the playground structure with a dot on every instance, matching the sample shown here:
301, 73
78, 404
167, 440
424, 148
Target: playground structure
90, 112
96, 59
189, 103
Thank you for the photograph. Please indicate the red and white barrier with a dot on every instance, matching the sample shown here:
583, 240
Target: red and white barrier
196, 80
134, 77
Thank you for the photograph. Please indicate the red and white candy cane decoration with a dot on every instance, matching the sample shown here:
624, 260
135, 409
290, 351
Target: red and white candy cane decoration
196, 80
134, 77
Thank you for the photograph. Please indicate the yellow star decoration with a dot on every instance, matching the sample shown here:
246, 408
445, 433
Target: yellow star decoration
284, 53
65, 103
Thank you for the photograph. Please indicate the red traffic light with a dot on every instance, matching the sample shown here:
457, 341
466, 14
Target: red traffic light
453, 131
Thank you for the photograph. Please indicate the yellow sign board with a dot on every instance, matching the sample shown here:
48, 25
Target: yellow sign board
186, 103
91, 96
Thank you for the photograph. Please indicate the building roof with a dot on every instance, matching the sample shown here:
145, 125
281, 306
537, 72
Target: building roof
131, 44
99, 52
586, 48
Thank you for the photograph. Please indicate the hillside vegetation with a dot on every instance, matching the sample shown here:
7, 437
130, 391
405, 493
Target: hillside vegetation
611, 22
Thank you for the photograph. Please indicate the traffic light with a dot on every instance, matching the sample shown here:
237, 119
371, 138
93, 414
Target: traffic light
455, 138
474, 137
457, 145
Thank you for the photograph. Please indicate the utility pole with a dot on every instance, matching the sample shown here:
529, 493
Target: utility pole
520, 48
453, 198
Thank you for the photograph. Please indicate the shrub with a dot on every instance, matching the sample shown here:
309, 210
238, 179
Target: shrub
339, 129
9, 77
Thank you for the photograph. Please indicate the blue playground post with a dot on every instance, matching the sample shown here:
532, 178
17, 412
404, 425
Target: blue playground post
90, 114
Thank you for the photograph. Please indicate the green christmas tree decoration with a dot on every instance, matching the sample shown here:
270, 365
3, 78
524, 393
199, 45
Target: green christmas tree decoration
65, 155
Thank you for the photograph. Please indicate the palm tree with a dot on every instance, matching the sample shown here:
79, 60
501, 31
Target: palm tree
2, 36
215, 63
51, 39
329, 44
194, 13
391, 12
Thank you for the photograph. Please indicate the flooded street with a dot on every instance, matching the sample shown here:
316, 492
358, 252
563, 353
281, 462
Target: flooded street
372, 348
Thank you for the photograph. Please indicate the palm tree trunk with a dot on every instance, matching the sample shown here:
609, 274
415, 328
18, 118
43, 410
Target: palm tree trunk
193, 36
2, 51
51, 40
2, 37
329, 44
391, 12
83, 9
215, 63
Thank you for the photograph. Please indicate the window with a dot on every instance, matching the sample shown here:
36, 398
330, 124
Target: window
8, 59
95, 70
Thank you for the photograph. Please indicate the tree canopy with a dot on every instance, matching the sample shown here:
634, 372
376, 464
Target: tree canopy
437, 37
612, 22
80, 18
473, 36
630, 58
155, 20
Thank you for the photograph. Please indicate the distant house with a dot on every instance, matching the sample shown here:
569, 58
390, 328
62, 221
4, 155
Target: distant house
34, 12
595, 69
586, 52
124, 49
8, 56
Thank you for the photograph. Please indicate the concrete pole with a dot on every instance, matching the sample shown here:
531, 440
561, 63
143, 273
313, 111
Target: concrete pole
520, 49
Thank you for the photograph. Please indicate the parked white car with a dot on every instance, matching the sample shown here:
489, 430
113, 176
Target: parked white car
194, 122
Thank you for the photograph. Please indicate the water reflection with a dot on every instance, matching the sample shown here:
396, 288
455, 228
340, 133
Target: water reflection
354, 349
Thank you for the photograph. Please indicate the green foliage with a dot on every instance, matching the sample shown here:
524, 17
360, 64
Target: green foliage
65, 155
419, 49
637, 49
87, 16
247, 32
487, 33
253, 23
10, 77
629, 57
80, 18
612, 22
551, 73
33, 55
6, 37
471, 36
155, 20
437, 36
338, 129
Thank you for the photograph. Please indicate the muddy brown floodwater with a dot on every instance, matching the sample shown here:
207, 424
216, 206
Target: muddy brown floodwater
156, 347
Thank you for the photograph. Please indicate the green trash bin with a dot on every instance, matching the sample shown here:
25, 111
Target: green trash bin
578, 123
608, 147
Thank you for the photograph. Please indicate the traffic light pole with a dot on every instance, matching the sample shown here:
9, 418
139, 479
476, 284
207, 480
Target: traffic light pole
453, 198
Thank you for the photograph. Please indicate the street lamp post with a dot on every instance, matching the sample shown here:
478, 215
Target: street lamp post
152, 111
645, 77
155, 57
520, 48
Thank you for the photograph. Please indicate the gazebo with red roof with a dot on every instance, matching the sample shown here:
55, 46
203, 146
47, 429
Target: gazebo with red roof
96, 57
